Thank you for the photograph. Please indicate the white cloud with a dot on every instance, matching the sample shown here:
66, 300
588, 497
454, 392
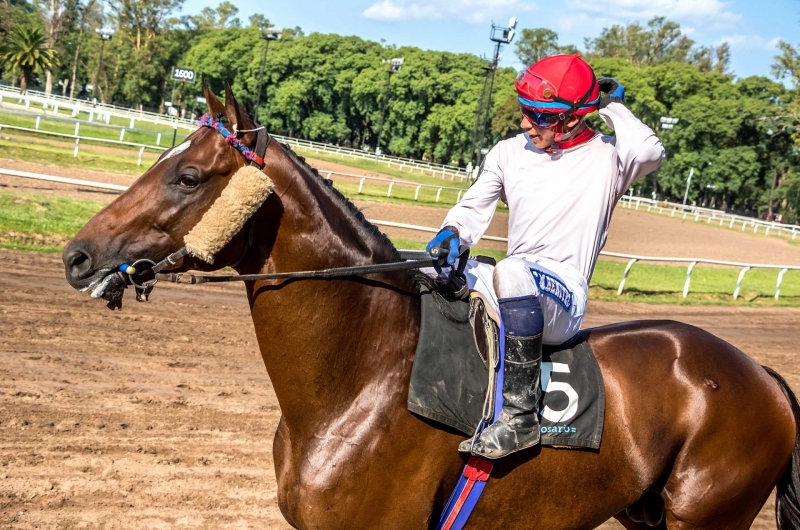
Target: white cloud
713, 14
470, 11
749, 42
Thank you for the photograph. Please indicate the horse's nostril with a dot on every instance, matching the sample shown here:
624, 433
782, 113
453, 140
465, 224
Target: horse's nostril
79, 264
77, 258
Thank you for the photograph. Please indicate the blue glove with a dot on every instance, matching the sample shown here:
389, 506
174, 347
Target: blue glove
445, 242
614, 91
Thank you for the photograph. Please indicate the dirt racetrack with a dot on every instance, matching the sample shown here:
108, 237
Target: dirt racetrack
162, 415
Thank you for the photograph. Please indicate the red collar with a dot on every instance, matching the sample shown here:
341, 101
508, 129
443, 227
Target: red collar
581, 138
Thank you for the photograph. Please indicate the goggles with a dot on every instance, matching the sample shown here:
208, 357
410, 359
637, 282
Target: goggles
540, 119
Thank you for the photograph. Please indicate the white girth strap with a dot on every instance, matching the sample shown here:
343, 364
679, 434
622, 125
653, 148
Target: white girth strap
244, 194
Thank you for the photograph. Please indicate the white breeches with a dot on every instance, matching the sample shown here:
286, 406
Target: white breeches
561, 290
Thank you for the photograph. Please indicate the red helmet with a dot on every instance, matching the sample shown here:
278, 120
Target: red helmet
560, 85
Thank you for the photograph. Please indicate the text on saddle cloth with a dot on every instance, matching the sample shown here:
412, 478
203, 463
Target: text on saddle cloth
450, 378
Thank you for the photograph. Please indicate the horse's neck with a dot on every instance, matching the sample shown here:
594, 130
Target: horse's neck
326, 341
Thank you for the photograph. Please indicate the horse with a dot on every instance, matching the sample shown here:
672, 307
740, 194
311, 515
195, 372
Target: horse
696, 435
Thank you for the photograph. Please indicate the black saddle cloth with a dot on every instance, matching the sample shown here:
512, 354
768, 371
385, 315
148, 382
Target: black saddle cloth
450, 377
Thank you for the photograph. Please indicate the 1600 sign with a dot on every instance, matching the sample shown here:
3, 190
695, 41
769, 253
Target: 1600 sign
183, 74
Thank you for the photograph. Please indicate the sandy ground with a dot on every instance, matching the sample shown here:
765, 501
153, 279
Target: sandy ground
630, 232
162, 415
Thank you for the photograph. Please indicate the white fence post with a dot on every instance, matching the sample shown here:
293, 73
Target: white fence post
739, 282
133, 123
77, 127
139, 162
416, 192
75, 152
688, 279
778, 285
389, 193
158, 140
91, 114
361, 185
121, 134
438, 193
38, 119
458, 199
625, 276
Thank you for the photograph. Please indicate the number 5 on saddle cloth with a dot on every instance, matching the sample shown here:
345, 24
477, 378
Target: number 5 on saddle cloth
459, 347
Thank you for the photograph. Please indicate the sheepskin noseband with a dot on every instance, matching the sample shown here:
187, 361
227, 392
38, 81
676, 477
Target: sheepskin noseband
244, 194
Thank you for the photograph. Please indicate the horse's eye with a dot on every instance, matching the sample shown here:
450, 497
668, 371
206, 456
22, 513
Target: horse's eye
188, 181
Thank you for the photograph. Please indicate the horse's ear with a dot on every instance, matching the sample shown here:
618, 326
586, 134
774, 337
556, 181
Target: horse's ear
215, 106
238, 117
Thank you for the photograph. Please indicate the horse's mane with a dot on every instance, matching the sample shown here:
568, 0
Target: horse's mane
370, 228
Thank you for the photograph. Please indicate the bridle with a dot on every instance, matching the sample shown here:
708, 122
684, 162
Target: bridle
410, 260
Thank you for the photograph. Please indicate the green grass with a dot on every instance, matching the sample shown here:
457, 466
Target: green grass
35, 222
709, 285
138, 135
378, 167
62, 156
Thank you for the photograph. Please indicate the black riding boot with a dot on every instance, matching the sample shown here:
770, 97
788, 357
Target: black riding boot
517, 427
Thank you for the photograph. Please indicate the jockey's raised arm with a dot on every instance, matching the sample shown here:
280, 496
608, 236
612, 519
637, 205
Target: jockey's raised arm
638, 149
561, 181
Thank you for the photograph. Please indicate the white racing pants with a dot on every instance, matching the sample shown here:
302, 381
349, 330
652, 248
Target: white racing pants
561, 290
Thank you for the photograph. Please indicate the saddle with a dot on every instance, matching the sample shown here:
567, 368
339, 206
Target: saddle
459, 350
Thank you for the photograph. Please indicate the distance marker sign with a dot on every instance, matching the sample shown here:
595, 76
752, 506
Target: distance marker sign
183, 75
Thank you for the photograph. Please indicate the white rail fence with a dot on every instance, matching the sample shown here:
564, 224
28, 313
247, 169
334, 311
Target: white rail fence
709, 215
78, 139
693, 262
391, 183
105, 112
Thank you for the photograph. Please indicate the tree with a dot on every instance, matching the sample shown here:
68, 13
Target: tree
538, 43
26, 49
535, 44
787, 64
223, 16
660, 42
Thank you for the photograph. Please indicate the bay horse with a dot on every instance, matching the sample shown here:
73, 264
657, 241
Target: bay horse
697, 434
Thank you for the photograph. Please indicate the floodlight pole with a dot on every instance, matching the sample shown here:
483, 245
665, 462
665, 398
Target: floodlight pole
267, 35
688, 183
499, 35
105, 35
394, 67
488, 109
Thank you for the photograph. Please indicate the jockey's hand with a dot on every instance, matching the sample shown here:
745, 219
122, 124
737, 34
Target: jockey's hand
444, 247
613, 90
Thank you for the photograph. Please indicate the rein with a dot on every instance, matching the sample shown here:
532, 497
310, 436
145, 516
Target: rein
410, 260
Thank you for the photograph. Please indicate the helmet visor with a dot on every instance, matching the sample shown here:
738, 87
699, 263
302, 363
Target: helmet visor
540, 119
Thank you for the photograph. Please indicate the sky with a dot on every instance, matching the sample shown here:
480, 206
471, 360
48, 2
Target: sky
752, 27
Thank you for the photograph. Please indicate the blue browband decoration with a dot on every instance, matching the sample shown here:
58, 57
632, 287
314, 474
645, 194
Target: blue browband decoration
207, 121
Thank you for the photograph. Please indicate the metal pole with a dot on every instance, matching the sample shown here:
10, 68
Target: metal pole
488, 110
383, 111
260, 79
688, 182
478, 114
95, 87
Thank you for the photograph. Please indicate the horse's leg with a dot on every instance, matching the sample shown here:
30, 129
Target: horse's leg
722, 481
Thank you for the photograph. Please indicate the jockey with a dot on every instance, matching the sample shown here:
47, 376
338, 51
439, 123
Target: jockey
561, 181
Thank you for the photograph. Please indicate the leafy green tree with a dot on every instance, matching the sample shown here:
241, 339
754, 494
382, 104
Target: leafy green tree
535, 44
26, 50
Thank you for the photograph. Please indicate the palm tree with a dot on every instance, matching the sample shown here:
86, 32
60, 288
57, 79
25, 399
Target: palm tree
26, 49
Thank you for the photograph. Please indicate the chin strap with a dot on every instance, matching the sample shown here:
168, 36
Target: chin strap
570, 139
